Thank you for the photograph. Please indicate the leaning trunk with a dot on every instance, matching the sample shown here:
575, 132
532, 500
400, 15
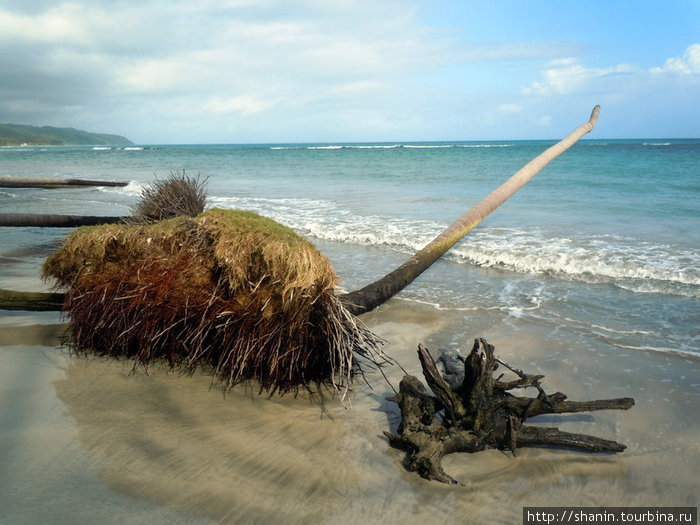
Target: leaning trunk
377, 293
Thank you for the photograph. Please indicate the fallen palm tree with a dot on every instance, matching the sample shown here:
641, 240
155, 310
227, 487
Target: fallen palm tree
247, 297
54, 220
53, 182
195, 291
374, 294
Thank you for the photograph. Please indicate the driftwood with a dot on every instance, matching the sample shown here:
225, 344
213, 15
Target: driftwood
481, 413
51, 183
31, 301
52, 220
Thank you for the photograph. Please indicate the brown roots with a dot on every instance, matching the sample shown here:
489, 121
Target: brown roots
230, 290
477, 412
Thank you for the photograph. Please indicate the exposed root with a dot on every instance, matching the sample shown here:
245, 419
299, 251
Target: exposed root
230, 290
480, 413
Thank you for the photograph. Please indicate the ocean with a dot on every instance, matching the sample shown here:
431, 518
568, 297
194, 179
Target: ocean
590, 272
606, 238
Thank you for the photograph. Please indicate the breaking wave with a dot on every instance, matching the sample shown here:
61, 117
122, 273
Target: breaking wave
632, 264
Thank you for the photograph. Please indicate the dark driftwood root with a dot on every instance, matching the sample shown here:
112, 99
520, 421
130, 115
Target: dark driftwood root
480, 413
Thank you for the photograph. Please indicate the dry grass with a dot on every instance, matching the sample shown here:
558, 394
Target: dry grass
176, 195
227, 289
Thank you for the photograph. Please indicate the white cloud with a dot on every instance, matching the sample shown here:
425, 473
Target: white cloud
151, 75
64, 24
688, 64
565, 76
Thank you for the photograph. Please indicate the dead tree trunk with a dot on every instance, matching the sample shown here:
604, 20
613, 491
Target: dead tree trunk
481, 413
31, 301
51, 183
380, 291
51, 220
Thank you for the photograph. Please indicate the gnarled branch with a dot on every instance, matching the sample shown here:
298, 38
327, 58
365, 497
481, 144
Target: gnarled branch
481, 413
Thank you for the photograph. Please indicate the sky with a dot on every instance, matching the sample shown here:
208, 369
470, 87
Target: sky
266, 71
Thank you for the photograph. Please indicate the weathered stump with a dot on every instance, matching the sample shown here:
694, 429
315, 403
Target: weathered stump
480, 413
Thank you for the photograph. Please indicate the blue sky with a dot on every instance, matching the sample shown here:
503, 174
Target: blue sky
242, 71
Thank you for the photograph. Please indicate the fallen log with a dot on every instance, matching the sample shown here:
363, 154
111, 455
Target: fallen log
52, 183
52, 220
481, 413
31, 301
176, 195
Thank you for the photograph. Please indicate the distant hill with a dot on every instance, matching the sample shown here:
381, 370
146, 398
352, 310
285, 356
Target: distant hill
18, 135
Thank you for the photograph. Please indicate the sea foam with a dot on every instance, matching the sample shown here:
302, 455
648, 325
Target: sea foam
626, 262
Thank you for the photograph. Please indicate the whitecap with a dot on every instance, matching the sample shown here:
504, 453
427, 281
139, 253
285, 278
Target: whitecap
628, 263
133, 188
374, 146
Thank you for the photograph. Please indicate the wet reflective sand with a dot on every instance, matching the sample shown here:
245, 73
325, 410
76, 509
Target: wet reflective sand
88, 440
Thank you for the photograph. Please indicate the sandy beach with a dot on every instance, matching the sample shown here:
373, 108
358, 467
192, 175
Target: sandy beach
88, 440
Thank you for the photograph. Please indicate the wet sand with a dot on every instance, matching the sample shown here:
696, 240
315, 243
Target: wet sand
87, 440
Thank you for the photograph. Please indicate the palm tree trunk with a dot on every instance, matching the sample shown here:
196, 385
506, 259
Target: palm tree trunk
51, 220
31, 301
378, 292
50, 183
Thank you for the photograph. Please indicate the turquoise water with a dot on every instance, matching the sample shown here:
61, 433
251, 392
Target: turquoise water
605, 240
